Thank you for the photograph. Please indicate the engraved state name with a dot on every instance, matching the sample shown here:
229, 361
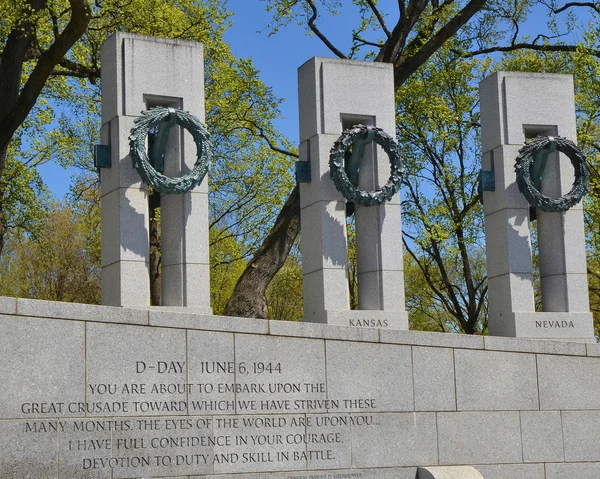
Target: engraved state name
373, 323
562, 324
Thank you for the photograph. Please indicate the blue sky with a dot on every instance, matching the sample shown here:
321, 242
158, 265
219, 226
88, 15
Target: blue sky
279, 56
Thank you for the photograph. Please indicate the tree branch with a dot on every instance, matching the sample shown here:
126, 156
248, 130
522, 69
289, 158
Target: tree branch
318, 33
592, 5
363, 41
70, 68
403, 70
528, 46
15, 116
272, 146
408, 18
380, 19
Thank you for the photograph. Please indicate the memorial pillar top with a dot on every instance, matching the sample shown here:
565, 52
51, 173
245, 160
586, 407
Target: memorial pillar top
513, 101
137, 70
333, 92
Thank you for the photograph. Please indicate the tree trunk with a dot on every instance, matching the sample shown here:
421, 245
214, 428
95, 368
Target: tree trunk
249, 298
3, 153
13, 58
155, 256
15, 101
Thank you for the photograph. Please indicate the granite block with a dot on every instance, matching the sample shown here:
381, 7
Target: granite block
507, 293
592, 349
395, 439
187, 285
110, 229
556, 326
326, 246
382, 291
211, 364
566, 292
121, 174
479, 438
589, 470
581, 430
322, 331
507, 236
190, 208
8, 305
329, 434
378, 232
184, 234
369, 377
183, 230
512, 471
125, 216
448, 472
325, 290
526, 97
280, 375
554, 230
175, 318
28, 449
136, 370
309, 86
361, 318
261, 444
159, 446
81, 312
420, 338
126, 283
506, 194
85, 449
542, 436
490, 89
337, 97
320, 188
144, 76
498, 343
387, 473
433, 372
568, 382
42, 367
112, 67
495, 381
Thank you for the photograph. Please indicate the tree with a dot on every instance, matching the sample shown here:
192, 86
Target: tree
416, 36
225, 269
417, 30
22, 21
249, 178
438, 128
284, 294
249, 295
36, 65
58, 265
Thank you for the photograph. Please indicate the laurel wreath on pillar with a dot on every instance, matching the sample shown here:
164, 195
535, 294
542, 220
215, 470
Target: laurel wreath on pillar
139, 155
339, 175
525, 162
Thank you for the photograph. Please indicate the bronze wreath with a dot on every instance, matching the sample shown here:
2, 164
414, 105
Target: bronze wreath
524, 164
339, 175
139, 155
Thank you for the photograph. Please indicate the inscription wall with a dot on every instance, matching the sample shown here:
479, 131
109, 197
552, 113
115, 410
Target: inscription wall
130, 401
272, 400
